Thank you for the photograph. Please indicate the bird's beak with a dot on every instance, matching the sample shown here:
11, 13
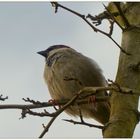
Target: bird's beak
43, 53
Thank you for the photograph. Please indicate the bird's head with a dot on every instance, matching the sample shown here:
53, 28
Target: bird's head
51, 50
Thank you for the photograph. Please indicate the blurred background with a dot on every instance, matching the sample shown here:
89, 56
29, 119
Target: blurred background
28, 27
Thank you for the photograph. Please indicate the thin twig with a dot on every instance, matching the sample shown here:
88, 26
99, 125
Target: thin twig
40, 114
77, 14
84, 123
3, 98
119, 46
91, 25
97, 19
111, 27
58, 112
32, 101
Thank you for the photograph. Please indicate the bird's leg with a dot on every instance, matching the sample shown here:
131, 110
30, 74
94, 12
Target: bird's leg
55, 103
80, 115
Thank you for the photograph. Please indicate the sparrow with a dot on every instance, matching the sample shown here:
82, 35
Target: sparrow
67, 72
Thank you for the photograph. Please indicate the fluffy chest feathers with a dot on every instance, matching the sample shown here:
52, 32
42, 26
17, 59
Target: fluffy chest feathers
67, 71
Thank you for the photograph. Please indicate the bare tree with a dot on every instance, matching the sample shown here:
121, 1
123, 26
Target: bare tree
124, 92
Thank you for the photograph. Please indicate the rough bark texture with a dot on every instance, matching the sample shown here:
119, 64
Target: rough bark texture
124, 117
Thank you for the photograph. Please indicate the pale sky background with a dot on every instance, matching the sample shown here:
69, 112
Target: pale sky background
28, 27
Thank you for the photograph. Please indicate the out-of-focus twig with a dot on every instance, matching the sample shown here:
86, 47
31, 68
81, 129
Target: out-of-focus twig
3, 98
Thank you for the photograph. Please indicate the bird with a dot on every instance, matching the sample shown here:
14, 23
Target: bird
66, 72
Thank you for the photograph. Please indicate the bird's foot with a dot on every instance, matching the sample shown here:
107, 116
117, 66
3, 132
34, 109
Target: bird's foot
55, 103
92, 100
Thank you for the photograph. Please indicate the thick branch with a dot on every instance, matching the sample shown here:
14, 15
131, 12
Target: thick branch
123, 116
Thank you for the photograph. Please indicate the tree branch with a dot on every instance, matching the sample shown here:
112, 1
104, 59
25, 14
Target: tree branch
113, 18
117, 4
57, 5
80, 98
84, 123
58, 112
84, 93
